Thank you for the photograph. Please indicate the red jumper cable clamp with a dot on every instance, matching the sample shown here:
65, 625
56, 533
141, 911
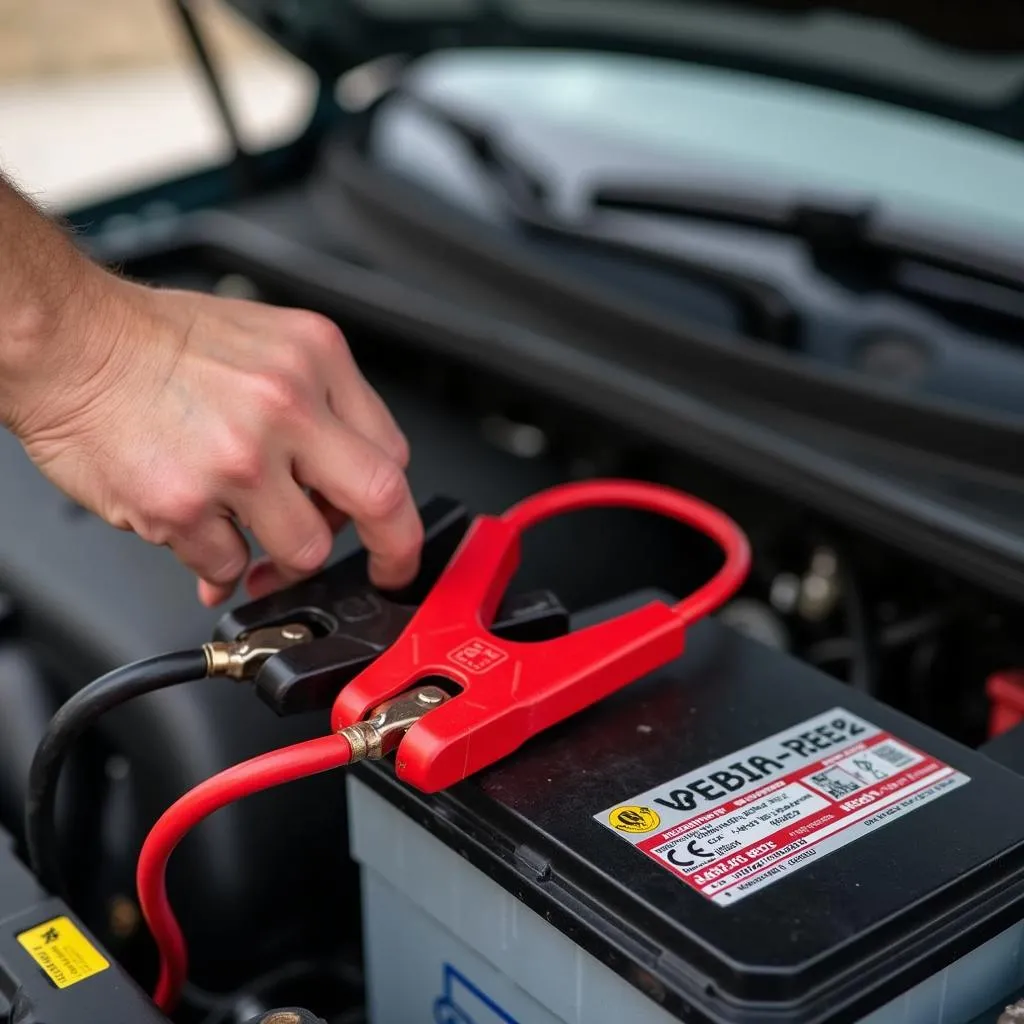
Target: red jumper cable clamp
509, 691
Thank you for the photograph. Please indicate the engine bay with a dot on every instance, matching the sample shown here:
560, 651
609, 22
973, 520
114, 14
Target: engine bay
883, 594
261, 885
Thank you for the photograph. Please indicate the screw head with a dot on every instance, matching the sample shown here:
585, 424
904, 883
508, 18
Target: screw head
282, 1017
429, 698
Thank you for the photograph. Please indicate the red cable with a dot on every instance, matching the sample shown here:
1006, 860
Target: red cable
654, 498
259, 773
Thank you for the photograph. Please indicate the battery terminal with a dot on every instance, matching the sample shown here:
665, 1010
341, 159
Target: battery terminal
378, 735
244, 657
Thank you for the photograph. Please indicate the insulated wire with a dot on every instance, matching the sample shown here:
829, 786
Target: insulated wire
863, 673
259, 773
74, 717
665, 501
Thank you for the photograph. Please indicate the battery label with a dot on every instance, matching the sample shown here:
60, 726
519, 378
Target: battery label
749, 819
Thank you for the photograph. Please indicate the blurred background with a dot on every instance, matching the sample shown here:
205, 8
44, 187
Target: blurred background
96, 95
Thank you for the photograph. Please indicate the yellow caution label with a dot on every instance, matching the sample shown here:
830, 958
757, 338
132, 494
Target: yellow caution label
63, 952
635, 819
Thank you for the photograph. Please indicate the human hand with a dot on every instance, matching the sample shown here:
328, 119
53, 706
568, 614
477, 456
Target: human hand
182, 416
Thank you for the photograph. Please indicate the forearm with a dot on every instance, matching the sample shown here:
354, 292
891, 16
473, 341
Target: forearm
45, 283
185, 417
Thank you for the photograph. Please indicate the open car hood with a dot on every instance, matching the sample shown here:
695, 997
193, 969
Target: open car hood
958, 60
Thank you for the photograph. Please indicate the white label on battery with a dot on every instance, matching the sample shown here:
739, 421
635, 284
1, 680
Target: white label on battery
747, 820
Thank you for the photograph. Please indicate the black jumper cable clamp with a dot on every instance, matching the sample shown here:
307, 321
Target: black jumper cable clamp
353, 623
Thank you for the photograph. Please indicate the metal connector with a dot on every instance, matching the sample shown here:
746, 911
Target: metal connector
378, 735
243, 658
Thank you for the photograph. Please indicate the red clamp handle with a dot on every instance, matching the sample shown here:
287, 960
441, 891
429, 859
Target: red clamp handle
511, 691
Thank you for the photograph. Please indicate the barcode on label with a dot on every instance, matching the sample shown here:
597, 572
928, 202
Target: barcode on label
835, 782
892, 754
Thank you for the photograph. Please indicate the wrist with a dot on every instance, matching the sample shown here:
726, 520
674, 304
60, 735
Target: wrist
53, 301
54, 337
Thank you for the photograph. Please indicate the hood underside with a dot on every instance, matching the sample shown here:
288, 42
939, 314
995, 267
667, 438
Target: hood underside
963, 61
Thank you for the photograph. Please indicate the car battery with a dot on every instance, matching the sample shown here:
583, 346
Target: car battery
734, 839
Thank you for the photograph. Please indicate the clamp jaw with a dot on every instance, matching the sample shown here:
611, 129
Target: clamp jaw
337, 623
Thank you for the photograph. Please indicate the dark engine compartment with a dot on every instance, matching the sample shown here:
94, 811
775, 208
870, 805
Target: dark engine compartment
265, 890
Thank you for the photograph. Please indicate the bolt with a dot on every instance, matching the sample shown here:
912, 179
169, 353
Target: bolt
428, 698
293, 633
282, 1017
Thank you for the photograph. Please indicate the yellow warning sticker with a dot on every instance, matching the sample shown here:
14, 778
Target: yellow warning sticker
635, 819
63, 952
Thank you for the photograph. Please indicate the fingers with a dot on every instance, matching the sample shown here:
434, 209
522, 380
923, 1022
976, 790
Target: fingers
291, 530
352, 479
217, 553
301, 415
265, 578
336, 519
371, 488
356, 477
355, 403
212, 595
349, 395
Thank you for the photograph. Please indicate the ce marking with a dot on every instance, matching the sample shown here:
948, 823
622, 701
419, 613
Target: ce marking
696, 851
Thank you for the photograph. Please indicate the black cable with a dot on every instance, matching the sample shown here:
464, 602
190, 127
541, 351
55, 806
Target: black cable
80, 712
864, 658
860, 646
